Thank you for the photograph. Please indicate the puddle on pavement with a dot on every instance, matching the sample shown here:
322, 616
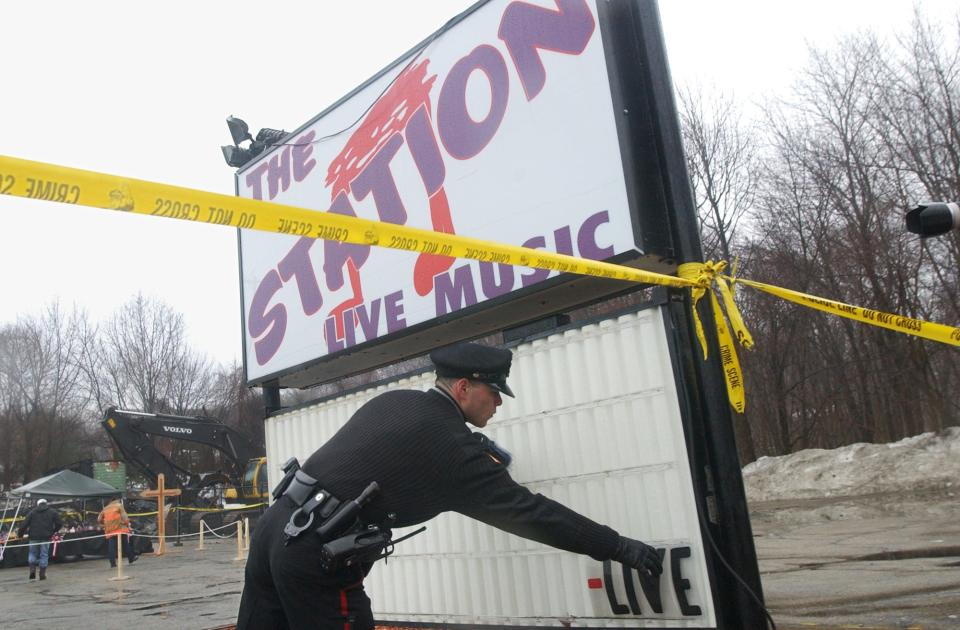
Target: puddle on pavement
909, 554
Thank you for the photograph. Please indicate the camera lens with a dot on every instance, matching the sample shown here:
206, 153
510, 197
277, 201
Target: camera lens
933, 218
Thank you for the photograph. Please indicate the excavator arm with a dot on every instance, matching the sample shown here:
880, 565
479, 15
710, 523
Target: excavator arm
133, 432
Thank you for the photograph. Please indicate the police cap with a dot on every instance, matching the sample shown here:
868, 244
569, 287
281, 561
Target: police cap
477, 362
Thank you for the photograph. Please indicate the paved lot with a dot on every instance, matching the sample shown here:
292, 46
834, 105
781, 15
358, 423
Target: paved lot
897, 568
184, 589
829, 565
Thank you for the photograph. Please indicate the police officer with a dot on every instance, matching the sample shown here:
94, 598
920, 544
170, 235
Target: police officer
416, 447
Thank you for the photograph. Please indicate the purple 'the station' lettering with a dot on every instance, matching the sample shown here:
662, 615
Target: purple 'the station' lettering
526, 29
297, 264
377, 179
425, 152
335, 253
272, 323
462, 136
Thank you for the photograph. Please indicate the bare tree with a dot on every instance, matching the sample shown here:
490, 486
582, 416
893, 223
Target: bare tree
852, 148
42, 397
723, 164
58, 373
722, 161
916, 118
143, 361
235, 404
140, 359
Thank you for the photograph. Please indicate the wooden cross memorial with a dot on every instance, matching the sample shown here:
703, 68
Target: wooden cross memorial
160, 493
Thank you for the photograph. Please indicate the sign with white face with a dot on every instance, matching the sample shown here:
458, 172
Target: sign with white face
501, 128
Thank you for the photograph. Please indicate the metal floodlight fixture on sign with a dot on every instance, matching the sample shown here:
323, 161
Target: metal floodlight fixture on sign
270, 136
235, 155
239, 130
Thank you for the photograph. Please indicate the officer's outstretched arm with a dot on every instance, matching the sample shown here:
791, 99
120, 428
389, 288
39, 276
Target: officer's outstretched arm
485, 491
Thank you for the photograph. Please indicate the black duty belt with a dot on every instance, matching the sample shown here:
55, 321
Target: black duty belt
346, 538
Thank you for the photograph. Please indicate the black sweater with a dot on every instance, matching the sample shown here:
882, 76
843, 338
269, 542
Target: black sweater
416, 446
42, 523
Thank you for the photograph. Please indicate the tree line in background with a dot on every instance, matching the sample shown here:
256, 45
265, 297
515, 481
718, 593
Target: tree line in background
811, 196
59, 373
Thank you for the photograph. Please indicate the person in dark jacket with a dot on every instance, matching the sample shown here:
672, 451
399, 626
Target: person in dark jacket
416, 446
40, 525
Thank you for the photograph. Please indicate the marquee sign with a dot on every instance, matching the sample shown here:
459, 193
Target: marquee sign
501, 128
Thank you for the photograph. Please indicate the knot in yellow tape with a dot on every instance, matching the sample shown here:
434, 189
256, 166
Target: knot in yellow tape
708, 277
703, 274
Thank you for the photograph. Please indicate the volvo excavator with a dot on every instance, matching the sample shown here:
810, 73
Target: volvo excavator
243, 478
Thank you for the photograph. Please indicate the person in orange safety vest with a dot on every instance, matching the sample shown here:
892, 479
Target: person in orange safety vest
115, 522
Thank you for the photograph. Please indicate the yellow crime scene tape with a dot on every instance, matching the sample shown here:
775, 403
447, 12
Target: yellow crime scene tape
48, 182
916, 327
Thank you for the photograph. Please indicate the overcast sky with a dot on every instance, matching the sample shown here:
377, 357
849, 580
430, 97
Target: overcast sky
143, 90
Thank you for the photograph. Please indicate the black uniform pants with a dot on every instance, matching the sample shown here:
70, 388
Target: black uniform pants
284, 586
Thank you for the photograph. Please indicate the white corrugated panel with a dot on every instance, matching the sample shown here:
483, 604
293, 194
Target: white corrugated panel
596, 426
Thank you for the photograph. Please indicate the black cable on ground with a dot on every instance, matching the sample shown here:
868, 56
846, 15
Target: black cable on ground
705, 527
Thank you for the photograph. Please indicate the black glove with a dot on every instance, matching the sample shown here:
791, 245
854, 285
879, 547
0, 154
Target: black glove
638, 555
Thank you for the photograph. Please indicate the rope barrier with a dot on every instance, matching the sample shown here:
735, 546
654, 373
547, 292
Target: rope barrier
238, 508
212, 530
154, 513
41, 542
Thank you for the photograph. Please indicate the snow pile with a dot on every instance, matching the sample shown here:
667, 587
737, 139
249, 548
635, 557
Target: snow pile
929, 461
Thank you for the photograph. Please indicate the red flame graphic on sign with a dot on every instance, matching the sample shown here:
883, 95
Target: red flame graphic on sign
388, 116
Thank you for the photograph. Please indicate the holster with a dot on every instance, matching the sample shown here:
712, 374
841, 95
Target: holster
289, 468
347, 539
313, 503
360, 545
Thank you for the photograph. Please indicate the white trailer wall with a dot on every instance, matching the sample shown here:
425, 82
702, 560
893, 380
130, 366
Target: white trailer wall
595, 425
